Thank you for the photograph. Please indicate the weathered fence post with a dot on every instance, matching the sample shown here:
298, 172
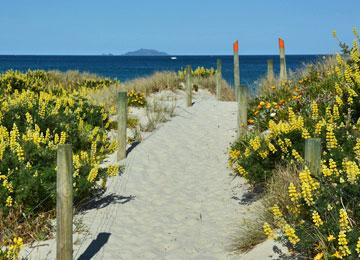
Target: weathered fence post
270, 70
64, 203
283, 73
241, 94
236, 69
313, 154
122, 122
188, 86
218, 79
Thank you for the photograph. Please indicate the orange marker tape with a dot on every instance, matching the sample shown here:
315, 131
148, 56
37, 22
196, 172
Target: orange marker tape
236, 46
281, 43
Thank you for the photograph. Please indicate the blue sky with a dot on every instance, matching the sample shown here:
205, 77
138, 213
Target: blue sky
177, 27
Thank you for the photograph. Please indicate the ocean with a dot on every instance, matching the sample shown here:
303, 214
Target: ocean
125, 68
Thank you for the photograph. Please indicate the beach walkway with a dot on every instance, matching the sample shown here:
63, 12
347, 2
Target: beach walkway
175, 198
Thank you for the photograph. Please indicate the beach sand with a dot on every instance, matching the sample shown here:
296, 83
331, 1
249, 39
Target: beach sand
175, 198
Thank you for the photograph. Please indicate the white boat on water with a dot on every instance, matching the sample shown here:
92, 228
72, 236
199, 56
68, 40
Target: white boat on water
173, 58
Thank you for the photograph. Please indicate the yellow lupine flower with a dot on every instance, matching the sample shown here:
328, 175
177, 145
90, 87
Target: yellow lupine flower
255, 143
338, 90
29, 119
276, 211
291, 114
347, 74
325, 170
343, 244
343, 220
317, 219
319, 256
331, 141
56, 139
339, 101
308, 185
358, 247
20, 152
318, 127
288, 142
352, 171
247, 152
357, 147
293, 194
268, 230
93, 173
282, 145
14, 135
113, 170
241, 171
297, 156
264, 154
63, 136
290, 233
47, 135
14, 248
331, 238
333, 167
93, 151
337, 255
336, 112
305, 133
351, 92
234, 154
314, 110
272, 147
9, 202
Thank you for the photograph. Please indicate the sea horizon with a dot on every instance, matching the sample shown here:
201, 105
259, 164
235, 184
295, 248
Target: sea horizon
170, 55
125, 68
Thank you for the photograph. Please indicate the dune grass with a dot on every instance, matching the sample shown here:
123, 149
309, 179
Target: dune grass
251, 230
157, 82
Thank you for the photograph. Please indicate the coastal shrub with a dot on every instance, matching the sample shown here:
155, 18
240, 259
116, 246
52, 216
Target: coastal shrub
136, 99
319, 215
198, 72
34, 119
51, 81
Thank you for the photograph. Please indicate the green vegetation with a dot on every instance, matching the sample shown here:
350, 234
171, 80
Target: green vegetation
317, 215
39, 111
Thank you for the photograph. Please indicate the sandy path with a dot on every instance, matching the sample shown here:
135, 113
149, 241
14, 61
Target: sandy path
181, 206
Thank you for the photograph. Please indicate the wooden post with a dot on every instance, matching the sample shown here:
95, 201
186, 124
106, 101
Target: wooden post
64, 203
236, 69
240, 93
188, 86
218, 79
283, 73
313, 155
242, 110
270, 70
122, 122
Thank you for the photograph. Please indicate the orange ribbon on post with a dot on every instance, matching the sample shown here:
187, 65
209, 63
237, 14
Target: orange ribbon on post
281, 43
283, 74
236, 46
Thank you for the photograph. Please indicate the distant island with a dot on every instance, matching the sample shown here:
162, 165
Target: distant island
146, 52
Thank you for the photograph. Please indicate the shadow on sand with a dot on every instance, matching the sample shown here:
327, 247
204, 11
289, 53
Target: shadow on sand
95, 246
104, 201
250, 196
133, 145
